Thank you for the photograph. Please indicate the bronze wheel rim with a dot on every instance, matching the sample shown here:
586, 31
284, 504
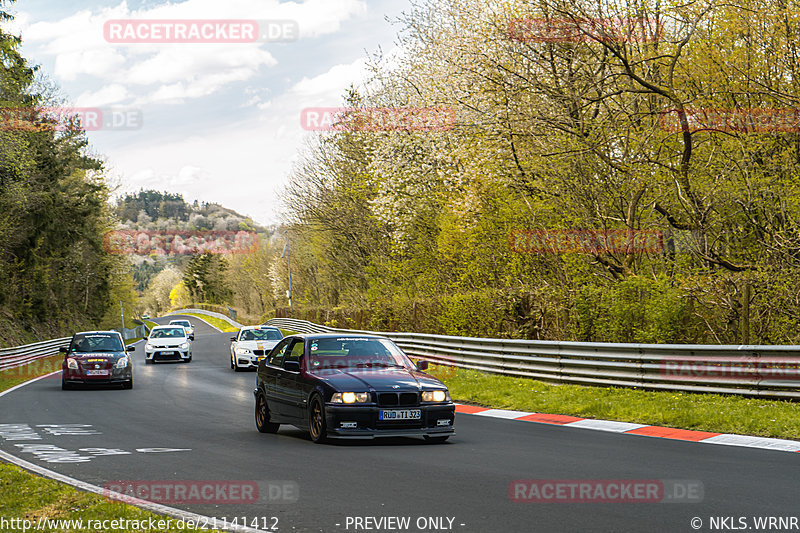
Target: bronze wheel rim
261, 414
316, 419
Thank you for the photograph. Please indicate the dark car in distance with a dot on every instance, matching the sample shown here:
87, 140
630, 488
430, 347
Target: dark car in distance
96, 358
350, 386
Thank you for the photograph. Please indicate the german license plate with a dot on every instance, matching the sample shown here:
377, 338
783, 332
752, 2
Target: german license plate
400, 414
97, 372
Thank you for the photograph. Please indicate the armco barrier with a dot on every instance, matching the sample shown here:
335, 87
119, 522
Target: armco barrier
22, 355
763, 371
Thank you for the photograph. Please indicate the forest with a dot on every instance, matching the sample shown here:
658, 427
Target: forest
666, 117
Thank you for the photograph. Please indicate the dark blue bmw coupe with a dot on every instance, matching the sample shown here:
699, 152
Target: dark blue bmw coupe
350, 386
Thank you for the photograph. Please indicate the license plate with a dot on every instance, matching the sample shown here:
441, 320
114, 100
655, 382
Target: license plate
97, 372
400, 414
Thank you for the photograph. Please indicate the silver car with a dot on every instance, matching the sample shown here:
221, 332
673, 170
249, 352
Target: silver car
185, 323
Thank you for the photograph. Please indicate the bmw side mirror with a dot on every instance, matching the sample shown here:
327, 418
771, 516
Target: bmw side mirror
130, 348
291, 366
422, 365
63, 349
233, 338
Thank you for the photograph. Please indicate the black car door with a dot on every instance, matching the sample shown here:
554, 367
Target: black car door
272, 368
290, 382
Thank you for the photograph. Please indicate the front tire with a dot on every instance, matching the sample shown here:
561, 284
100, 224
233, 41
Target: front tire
148, 361
317, 425
263, 423
128, 385
65, 385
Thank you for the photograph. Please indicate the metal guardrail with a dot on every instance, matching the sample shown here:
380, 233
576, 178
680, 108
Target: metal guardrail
22, 355
762, 371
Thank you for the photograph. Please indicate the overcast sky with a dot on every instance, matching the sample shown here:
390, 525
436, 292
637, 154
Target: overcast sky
220, 121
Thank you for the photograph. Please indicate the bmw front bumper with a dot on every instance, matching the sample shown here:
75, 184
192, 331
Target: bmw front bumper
362, 421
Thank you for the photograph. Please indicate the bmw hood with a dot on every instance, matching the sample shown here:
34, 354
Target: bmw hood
379, 379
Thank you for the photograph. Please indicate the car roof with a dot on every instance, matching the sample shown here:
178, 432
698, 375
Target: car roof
259, 327
179, 320
111, 332
311, 336
171, 326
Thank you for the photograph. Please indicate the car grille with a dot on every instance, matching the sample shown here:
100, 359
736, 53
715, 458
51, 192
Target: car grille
258, 352
394, 399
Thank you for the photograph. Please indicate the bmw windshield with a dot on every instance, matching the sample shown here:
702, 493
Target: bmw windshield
260, 335
354, 352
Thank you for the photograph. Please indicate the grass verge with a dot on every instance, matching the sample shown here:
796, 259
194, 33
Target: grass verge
39, 367
27, 496
216, 322
701, 412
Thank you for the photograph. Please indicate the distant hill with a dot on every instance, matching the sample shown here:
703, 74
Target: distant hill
162, 211
155, 210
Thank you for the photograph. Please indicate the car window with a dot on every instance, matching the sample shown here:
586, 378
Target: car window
182, 323
96, 342
168, 332
296, 351
261, 335
354, 352
277, 355
271, 334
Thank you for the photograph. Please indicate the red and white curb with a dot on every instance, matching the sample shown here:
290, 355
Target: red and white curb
707, 437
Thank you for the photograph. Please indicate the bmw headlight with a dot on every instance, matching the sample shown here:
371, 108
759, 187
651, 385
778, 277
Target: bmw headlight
184, 346
243, 351
435, 396
72, 363
122, 363
148, 347
350, 397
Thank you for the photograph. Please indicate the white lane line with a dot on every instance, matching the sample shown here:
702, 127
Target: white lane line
502, 413
605, 425
749, 441
143, 504
88, 487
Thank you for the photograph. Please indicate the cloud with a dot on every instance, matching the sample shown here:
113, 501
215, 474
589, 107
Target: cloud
174, 72
107, 95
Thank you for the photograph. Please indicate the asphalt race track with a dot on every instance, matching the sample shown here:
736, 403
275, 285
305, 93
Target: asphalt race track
194, 421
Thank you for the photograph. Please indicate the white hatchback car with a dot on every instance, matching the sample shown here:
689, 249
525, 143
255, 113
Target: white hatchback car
168, 343
251, 345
